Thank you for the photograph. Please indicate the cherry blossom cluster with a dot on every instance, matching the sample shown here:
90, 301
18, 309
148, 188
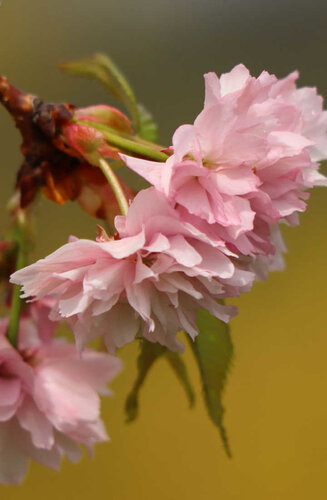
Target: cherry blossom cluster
206, 229
49, 396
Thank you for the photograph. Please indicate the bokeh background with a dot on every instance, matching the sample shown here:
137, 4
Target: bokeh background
276, 394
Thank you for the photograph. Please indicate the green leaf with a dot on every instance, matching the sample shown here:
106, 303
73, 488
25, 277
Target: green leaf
150, 352
178, 365
148, 128
213, 350
103, 69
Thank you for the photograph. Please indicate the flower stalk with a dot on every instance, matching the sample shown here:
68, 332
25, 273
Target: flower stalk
16, 302
128, 145
115, 185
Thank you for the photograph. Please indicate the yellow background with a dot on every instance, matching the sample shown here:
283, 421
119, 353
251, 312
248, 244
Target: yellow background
276, 394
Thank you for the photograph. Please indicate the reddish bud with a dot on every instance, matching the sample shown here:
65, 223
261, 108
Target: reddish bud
107, 115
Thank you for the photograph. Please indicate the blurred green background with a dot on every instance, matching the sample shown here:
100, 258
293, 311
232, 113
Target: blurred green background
276, 394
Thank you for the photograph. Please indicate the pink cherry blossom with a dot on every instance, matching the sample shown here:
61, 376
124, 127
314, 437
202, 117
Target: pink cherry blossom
49, 401
151, 280
247, 160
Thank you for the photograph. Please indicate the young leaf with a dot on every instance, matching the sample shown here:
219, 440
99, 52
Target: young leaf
103, 69
213, 350
150, 352
148, 128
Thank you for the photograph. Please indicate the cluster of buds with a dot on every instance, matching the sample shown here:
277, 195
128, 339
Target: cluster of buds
206, 229
60, 155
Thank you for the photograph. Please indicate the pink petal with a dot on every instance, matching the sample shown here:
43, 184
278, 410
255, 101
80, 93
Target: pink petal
123, 248
35, 422
193, 197
149, 170
235, 80
63, 398
212, 89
